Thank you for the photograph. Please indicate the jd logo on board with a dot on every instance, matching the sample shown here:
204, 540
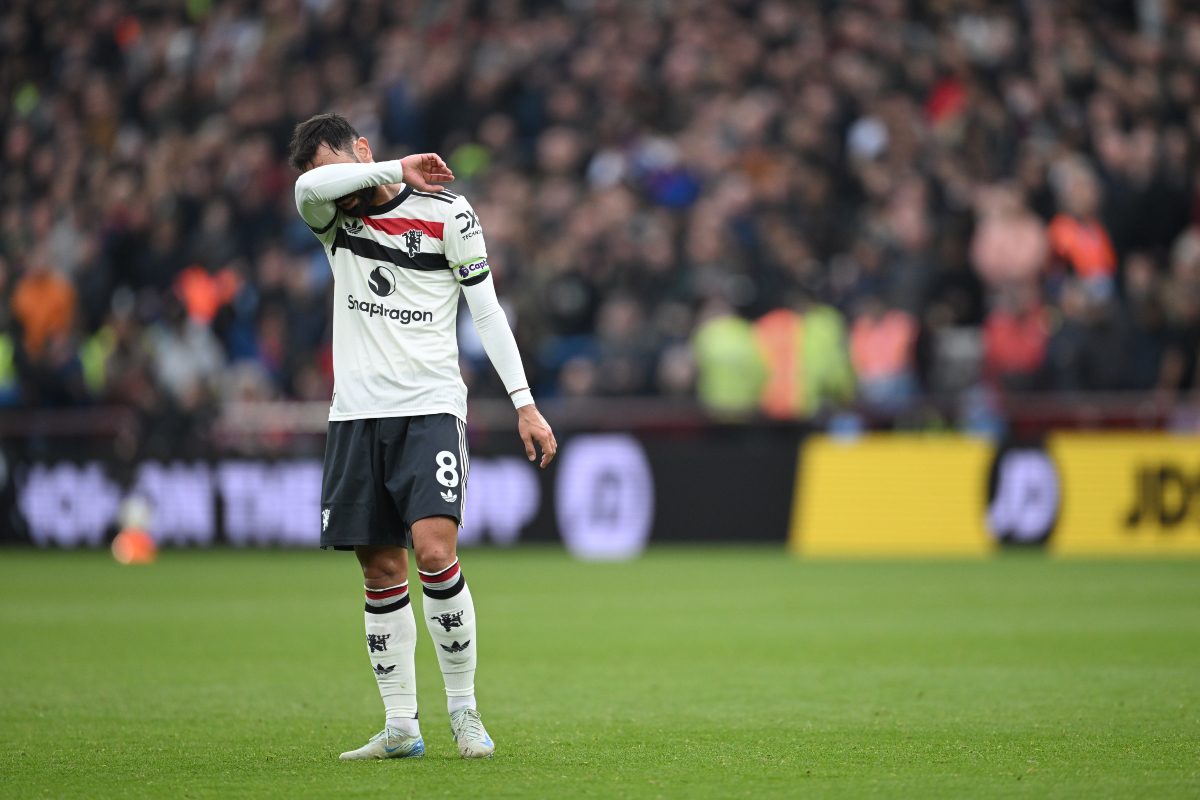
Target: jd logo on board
1163, 496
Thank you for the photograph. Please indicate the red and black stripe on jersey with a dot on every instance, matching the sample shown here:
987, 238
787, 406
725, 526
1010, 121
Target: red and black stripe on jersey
395, 226
398, 225
368, 248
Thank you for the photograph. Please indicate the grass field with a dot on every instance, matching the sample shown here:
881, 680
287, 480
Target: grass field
688, 673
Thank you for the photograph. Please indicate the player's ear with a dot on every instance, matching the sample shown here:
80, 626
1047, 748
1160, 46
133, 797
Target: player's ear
362, 149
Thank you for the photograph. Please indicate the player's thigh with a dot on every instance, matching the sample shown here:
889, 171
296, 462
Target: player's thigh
356, 507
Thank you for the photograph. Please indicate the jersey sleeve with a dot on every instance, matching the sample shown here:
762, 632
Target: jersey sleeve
498, 340
465, 250
317, 189
328, 231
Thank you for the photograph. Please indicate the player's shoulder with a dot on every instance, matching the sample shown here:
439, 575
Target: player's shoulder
441, 205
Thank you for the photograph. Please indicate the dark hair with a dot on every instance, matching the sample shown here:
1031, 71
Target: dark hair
331, 129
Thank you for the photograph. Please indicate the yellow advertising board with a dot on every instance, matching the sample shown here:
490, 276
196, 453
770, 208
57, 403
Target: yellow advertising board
1127, 494
891, 495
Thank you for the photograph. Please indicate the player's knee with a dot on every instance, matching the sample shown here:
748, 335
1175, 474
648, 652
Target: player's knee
434, 556
433, 543
383, 567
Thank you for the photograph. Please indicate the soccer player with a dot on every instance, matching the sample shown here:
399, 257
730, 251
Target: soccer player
402, 249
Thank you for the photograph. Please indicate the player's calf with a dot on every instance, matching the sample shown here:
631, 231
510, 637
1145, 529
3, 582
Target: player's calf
450, 617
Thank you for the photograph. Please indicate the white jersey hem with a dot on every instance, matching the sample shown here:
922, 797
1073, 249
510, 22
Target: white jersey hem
347, 416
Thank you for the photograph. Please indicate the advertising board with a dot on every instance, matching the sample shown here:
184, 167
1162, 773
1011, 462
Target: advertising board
1135, 494
605, 497
1081, 494
891, 495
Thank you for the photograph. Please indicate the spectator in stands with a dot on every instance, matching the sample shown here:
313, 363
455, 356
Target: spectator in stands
1182, 359
187, 357
882, 349
730, 364
117, 363
625, 346
1010, 244
1151, 333
43, 304
808, 366
1094, 348
1015, 336
1078, 238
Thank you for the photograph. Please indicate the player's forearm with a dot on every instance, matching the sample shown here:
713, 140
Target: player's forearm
498, 340
318, 188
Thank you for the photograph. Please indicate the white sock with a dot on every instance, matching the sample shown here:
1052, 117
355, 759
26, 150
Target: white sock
455, 703
392, 646
450, 617
409, 727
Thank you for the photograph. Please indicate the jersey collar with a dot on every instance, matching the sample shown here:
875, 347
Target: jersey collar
375, 211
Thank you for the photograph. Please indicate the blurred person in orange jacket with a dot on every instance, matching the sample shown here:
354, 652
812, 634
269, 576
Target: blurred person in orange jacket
808, 365
1078, 238
43, 301
882, 347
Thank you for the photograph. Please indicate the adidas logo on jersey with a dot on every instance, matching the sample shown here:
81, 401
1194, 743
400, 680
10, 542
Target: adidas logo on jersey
353, 225
449, 496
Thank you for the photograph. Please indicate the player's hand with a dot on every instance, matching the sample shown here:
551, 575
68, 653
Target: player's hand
533, 428
423, 171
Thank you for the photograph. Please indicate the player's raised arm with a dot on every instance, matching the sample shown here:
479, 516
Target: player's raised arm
319, 187
338, 170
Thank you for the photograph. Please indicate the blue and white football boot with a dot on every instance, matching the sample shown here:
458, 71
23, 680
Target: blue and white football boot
388, 743
473, 740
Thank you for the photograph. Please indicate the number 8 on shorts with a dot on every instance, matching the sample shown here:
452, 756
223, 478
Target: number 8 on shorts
447, 474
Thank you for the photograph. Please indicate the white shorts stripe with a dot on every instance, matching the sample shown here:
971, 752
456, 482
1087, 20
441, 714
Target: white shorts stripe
464, 460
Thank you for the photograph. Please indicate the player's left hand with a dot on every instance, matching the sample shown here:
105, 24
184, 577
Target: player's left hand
533, 428
423, 171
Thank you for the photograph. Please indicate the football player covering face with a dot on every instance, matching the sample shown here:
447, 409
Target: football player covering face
356, 204
430, 244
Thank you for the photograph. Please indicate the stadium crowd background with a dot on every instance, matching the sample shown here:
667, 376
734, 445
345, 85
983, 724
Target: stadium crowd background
780, 206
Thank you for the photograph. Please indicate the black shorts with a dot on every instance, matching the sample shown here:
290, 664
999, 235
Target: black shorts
382, 475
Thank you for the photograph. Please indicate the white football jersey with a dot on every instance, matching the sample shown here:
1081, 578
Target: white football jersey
396, 277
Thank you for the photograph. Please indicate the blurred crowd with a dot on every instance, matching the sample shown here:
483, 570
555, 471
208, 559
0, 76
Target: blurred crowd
783, 207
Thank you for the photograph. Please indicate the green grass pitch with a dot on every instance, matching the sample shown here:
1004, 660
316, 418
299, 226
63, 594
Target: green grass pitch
691, 672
